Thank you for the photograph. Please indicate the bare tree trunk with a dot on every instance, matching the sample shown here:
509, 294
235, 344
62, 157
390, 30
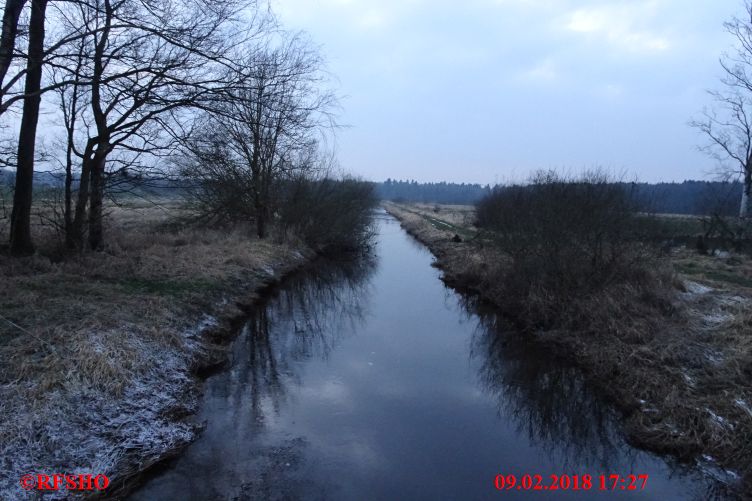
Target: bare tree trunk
79, 220
96, 234
68, 216
11, 14
20, 229
256, 176
744, 209
70, 242
70, 114
261, 220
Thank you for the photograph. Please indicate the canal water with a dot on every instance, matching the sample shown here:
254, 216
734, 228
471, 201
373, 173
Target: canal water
372, 380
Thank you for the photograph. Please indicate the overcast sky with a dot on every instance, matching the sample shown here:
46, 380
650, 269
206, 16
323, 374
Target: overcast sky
489, 90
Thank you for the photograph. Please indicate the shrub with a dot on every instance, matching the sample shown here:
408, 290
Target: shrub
218, 188
329, 214
568, 238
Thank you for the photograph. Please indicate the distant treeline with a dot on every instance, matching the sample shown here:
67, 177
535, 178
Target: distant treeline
440, 193
121, 183
688, 197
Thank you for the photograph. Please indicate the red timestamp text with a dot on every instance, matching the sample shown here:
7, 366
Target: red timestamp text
610, 482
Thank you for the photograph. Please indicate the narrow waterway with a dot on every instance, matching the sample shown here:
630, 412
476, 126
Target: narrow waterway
372, 380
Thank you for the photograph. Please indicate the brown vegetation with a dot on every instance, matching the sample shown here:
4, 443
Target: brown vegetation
673, 354
99, 352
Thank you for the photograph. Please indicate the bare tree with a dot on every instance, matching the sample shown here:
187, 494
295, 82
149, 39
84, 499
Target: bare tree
72, 102
20, 227
219, 184
35, 60
144, 66
140, 62
728, 125
270, 121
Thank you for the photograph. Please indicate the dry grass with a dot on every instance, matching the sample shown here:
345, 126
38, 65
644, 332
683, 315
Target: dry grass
98, 351
676, 359
457, 215
145, 269
732, 272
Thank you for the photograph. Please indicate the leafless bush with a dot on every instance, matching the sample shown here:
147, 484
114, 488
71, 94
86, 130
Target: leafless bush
218, 188
568, 238
329, 214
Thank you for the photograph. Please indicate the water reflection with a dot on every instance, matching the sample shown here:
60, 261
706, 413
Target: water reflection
370, 380
304, 319
239, 456
548, 400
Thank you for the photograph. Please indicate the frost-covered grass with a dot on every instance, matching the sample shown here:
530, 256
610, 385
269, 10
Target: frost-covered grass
98, 352
103, 404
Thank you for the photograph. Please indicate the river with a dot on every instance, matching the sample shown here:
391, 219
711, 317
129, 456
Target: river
372, 380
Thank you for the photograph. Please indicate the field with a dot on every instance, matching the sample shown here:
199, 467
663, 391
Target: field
678, 366
99, 352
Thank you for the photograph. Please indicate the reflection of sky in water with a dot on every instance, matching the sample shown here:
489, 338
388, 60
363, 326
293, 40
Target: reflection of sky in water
372, 381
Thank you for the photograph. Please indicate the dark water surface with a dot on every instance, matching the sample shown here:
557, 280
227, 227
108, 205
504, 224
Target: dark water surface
374, 381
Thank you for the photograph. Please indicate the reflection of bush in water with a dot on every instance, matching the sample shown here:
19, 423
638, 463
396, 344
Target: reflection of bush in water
545, 398
549, 401
305, 318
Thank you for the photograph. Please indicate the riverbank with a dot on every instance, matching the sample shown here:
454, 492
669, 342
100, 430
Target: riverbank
101, 355
681, 375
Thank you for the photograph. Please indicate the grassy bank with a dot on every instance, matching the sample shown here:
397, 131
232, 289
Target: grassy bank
674, 352
99, 353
